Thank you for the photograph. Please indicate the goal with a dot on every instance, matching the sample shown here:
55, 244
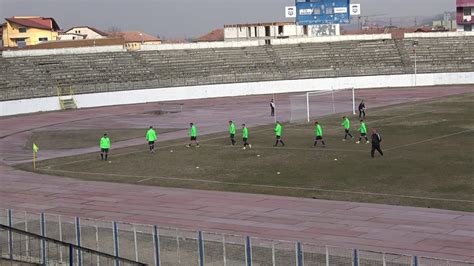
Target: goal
304, 107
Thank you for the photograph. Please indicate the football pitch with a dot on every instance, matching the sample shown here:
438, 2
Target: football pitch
428, 159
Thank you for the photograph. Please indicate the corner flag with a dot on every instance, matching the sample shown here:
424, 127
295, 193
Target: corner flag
35, 151
35, 148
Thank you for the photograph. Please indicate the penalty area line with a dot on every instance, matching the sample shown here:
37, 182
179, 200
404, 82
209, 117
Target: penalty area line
147, 178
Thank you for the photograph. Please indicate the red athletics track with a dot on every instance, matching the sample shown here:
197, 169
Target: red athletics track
420, 231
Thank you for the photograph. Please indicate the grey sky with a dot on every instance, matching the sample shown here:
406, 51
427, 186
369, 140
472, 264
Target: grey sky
180, 18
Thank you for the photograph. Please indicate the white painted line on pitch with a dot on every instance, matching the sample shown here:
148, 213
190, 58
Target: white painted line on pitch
262, 186
428, 140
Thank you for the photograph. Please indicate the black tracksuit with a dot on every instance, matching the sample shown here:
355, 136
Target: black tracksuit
362, 110
376, 140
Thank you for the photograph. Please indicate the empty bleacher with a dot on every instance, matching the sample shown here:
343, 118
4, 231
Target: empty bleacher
27, 77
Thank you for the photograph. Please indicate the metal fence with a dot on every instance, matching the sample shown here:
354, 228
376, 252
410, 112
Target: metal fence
26, 247
155, 245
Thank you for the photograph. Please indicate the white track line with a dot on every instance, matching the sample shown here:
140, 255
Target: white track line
428, 140
147, 178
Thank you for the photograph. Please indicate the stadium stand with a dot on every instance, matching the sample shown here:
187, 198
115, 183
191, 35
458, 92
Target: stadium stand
29, 77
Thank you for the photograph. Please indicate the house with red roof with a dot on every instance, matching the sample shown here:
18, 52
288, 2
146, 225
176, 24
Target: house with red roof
465, 15
133, 40
83, 32
30, 30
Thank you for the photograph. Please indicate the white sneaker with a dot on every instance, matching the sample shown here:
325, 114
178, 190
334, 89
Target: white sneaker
357, 142
367, 142
343, 139
188, 146
250, 146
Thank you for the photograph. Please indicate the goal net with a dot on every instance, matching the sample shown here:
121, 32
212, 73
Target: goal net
306, 106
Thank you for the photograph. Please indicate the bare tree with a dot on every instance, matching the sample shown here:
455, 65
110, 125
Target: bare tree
114, 31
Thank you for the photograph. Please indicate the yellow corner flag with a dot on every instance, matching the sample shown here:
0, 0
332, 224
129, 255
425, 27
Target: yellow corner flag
35, 148
35, 151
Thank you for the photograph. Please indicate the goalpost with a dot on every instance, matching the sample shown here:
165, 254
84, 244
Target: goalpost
319, 103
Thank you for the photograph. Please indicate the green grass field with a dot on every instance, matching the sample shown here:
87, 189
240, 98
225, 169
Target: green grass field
428, 160
84, 138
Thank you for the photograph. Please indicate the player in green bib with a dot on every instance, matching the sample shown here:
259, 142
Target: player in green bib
347, 126
193, 134
318, 132
151, 138
278, 133
363, 132
232, 133
245, 137
104, 147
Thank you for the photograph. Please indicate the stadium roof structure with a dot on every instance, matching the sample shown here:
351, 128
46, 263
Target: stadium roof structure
136, 36
35, 22
213, 36
103, 33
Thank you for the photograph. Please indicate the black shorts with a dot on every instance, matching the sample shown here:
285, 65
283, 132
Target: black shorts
193, 138
245, 139
319, 138
363, 134
278, 137
347, 130
104, 150
232, 135
151, 142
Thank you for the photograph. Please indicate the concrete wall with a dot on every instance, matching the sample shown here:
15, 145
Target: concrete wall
341, 38
62, 51
438, 34
236, 89
198, 45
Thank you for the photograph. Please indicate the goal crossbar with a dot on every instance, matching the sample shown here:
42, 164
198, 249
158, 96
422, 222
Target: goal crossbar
326, 92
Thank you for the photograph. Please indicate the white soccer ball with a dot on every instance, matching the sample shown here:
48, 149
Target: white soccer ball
171, 150
278, 173
335, 159
258, 155
197, 167
110, 161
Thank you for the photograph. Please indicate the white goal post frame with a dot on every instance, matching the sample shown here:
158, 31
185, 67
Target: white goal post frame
308, 116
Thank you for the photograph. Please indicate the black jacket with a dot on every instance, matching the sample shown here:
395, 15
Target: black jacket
376, 139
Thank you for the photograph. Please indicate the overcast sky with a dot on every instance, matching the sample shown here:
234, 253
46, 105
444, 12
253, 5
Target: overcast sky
190, 18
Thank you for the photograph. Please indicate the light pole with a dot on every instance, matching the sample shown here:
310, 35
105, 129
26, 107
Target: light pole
415, 43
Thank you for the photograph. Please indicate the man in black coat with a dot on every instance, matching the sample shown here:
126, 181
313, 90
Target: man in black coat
376, 140
362, 109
